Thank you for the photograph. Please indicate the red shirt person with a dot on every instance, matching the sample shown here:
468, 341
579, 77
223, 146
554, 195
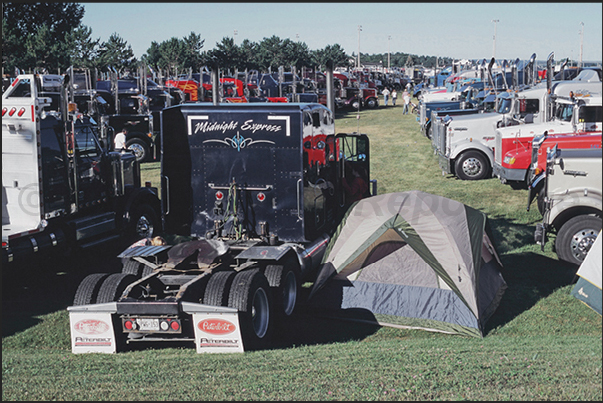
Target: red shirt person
357, 188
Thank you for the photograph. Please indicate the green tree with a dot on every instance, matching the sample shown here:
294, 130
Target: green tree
116, 53
176, 55
192, 45
270, 54
335, 53
82, 48
248, 55
36, 35
225, 54
296, 54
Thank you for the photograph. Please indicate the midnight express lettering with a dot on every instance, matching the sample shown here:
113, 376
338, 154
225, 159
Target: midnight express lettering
215, 127
254, 127
248, 125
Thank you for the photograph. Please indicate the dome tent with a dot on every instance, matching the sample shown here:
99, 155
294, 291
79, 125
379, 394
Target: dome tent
414, 260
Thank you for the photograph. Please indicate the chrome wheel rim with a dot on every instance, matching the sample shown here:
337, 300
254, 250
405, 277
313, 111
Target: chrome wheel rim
472, 167
582, 241
260, 313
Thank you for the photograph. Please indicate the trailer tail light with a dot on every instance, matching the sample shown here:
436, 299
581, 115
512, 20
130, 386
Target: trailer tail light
4, 111
169, 325
151, 325
219, 195
12, 111
21, 112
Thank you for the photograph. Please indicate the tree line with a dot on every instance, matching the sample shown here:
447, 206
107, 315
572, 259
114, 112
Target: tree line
51, 37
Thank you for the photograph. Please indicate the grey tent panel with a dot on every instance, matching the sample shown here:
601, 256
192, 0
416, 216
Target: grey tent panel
415, 302
414, 271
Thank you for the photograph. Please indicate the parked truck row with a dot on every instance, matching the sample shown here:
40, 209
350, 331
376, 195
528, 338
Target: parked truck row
250, 195
542, 136
62, 185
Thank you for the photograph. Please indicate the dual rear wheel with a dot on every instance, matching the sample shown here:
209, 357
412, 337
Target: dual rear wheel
260, 296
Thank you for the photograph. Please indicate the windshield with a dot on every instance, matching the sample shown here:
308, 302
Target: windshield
564, 112
504, 105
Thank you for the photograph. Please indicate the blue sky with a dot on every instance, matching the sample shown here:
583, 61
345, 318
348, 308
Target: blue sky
457, 30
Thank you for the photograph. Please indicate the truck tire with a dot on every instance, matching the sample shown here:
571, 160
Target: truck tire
471, 165
131, 266
250, 295
575, 238
218, 287
113, 286
371, 103
87, 291
140, 149
143, 222
284, 283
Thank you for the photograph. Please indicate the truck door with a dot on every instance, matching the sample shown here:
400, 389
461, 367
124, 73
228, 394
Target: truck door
353, 151
90, 184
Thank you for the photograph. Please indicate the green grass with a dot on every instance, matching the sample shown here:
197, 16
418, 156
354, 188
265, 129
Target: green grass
541, 344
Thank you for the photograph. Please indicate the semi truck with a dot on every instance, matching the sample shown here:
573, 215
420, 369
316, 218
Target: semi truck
251, 194
61, 187
129, 108
465, 144
580, 113
572, 202
538, 158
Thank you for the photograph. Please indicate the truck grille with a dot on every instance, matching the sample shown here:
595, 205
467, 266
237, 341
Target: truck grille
422, 114
439, 136
498, 148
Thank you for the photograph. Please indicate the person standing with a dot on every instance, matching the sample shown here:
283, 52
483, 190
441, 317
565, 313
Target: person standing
385, 93
394, 97
119, 141
406, 99
358, 187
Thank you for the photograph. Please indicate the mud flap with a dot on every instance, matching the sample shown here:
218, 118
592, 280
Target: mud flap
217, 328
91, 328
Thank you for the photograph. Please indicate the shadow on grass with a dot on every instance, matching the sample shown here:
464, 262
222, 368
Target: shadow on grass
530, 277
39, 287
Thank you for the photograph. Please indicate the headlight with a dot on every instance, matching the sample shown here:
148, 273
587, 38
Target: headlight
509, 160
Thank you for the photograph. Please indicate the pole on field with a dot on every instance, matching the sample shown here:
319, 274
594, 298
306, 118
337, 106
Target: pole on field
494, 49
359, 29
581, 41
388, 51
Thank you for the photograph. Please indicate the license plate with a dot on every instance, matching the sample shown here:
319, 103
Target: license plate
148, 324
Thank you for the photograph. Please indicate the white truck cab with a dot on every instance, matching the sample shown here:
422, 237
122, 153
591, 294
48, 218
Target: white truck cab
466, 143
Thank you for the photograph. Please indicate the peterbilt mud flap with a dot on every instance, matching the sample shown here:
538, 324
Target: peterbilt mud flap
92, 328
216, 329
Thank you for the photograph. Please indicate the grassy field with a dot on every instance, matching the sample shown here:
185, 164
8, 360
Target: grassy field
541, 344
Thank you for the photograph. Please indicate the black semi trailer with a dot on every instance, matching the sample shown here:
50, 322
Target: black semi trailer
251, 194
